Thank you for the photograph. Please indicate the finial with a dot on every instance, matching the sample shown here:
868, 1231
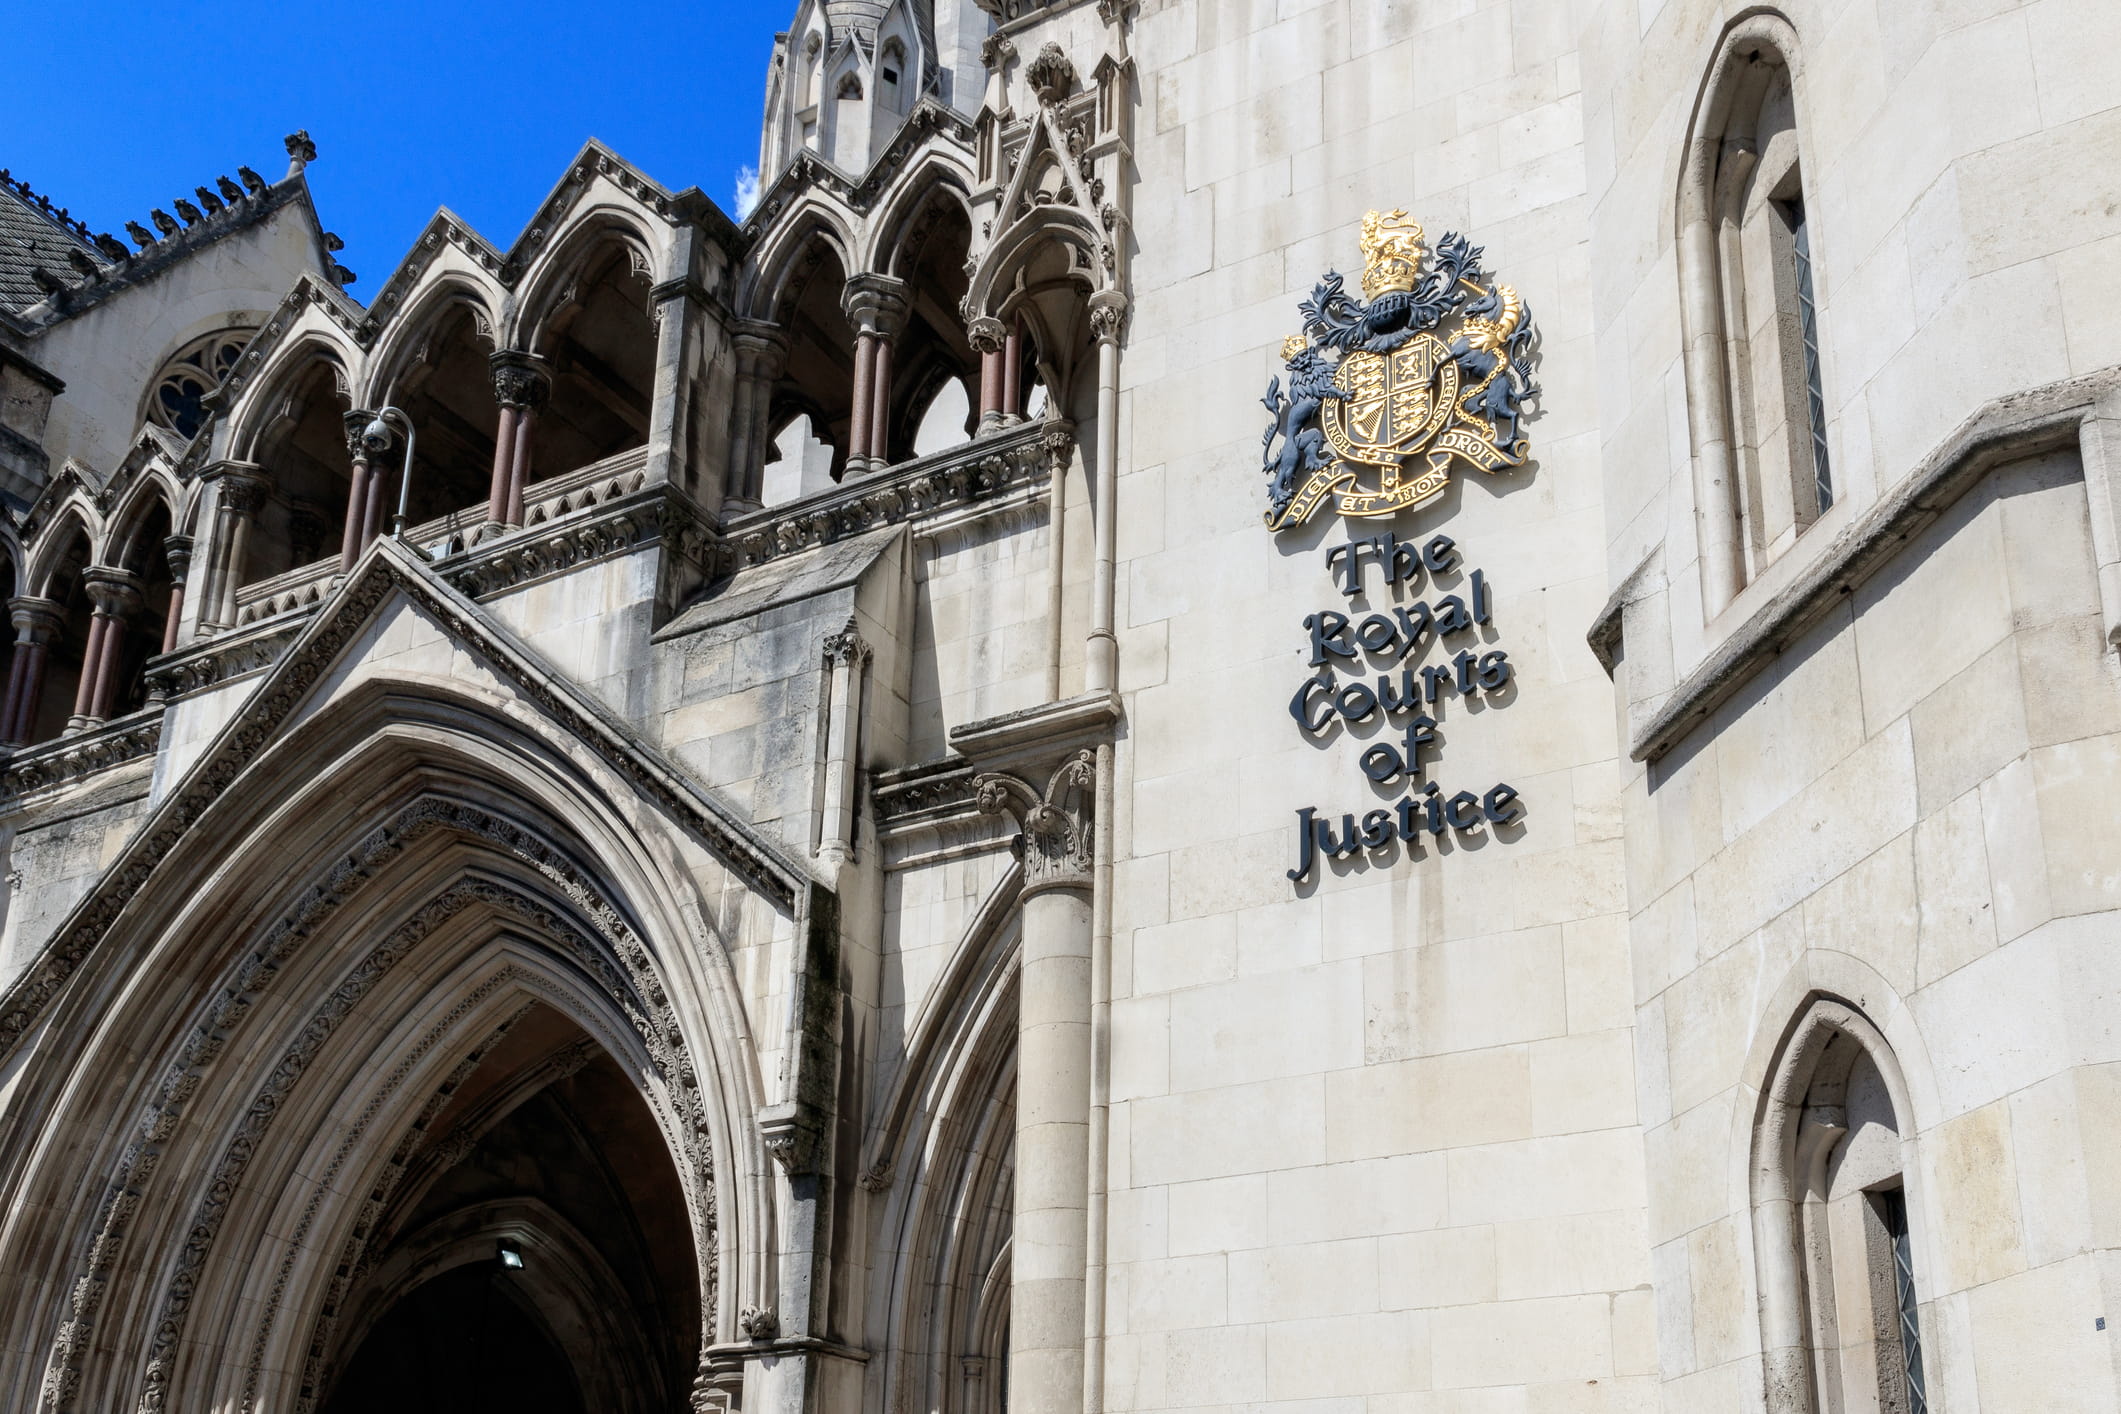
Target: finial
300, 151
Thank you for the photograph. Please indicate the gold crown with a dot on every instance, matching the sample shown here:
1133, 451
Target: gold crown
1391, 252
1292, 346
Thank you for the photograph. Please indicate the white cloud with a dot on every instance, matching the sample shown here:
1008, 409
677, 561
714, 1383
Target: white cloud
747, 190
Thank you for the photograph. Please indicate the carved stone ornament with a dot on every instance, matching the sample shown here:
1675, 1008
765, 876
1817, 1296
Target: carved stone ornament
1058, 843
987, 334
847, 646
244, 494
996, 50
1050, 75
791, 1131
1108, 315
518, 381
759, 1323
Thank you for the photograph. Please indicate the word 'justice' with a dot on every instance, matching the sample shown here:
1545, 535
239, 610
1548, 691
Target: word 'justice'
1363, 672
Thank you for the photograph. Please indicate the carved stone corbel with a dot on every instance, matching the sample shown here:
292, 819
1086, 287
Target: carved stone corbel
791, 1132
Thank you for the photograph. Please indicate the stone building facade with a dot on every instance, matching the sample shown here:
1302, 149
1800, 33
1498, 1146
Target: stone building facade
742, 814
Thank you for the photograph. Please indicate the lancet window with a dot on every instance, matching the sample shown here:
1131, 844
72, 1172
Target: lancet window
1752, 306
1840, 1274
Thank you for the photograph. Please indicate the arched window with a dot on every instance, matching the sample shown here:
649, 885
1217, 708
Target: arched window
1840, 1308
1750, 303
176, 397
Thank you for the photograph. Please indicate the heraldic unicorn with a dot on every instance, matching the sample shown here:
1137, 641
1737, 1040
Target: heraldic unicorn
1378, 382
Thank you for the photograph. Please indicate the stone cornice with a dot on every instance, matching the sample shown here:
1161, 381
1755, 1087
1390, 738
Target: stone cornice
2004, 430
145, 264
978, 471
1037, 736
68, 759
918, 794
222, 658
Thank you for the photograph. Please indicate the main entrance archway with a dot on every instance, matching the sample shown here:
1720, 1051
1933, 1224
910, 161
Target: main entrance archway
535, 1256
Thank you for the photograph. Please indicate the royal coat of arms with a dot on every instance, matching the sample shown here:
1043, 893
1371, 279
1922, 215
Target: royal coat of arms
1385, 392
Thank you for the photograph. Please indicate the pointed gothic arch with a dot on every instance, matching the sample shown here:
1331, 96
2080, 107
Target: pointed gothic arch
943, 1156
1840, 1234
472, 874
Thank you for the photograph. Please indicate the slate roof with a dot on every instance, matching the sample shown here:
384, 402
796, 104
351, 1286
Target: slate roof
31, 236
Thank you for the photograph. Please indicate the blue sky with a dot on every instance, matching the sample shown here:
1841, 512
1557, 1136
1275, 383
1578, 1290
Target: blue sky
474, 106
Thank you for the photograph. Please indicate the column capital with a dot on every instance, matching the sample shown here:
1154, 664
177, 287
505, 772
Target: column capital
847, 646
987, 334
177, 550
356, 421
1058, 840
761, 346
115, 592
876, 304
521, 379
1108, 315
244, 485
36, 620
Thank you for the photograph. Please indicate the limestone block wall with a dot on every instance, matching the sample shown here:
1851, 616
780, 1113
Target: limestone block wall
1904, 811
56, 849
1954, 194
1373, 1135
1892, 812
979, 630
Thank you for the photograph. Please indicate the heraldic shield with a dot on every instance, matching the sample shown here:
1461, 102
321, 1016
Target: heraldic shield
1387, 392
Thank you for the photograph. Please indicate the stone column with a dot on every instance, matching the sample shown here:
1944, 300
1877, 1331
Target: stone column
761, 353
116, 595
876, 305
354, 541
177, 548
242, 490
91, 655
1108, 317
37, 625
1013, 372
1048, 1245
858, 419
990, 341
846, 656
521, 383
880, 404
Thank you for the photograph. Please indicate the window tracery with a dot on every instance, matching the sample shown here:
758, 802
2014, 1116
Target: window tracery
176, 399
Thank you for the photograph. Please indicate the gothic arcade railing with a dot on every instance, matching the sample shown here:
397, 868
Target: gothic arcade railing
970, 474
552, 499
